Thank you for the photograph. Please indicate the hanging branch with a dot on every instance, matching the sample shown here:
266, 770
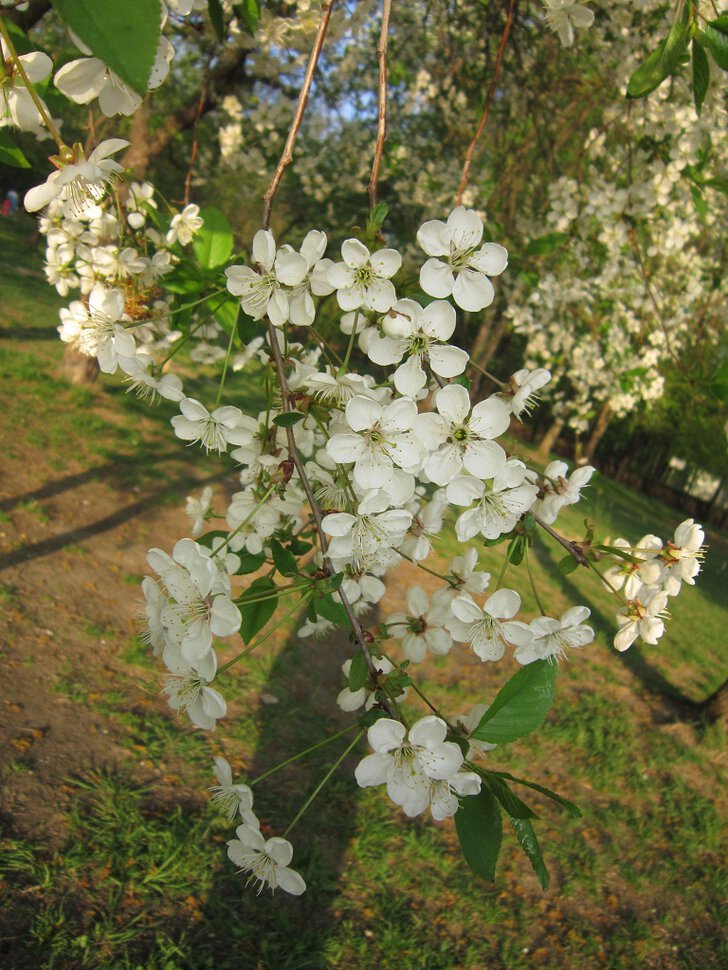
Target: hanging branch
382, 119
195, 142
285, 160
488, 102
287, 156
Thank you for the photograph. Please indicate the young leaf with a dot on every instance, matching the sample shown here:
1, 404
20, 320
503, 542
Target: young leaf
529, 843
515, 550
567, 565
10, 154
217, 18
256, 614
358, 672
661, 62
521, 704
701, 76
249, 12
284, 560
213, 244
288, 419
480, 829
123, 35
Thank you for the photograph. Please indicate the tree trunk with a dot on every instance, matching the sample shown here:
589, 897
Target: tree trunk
78, 368
605, 416
715, 707
550, 438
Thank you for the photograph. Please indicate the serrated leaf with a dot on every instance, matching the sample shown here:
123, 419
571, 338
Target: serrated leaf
256, 614
358, 672
285, 561
543, 245
213, 243
480, 831
661, 62
123, 35
10, 154
701, 76
526, 836
217, 18
520, 706
714, 36
515, 807
288, 419
570, 807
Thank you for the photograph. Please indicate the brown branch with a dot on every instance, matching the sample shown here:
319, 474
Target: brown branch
382, 119
316, 511
571, 547
287, 156
195, 141
488, 102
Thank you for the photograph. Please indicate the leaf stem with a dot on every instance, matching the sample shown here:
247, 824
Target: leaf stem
323, 782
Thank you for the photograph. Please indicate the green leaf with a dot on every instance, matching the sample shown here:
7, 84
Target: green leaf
520, 706
377, 216
701, 206
123, 35
567, 565
529, 843
311, 613
701, 76
213, 243
515, 550
298, 548
288, 419
334, 612
249, 12
543, 245
715, 38
358, 672
256, 615
284, 560
250, 563
226, 313
217, 18
480, 830
570, 807
512, 803
719, 384
10, 154
661, 63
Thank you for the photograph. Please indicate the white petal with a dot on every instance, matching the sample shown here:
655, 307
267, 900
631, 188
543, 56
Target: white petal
472, 291
436, 278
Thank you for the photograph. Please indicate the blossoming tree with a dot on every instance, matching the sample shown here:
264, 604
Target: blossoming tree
371, 431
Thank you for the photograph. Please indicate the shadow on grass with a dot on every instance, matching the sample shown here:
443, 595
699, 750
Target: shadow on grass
143, 879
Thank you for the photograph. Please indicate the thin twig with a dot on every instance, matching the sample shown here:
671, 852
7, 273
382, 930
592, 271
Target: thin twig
287, 156
488, 102
382, 119
316, 509
571, 547
195, 143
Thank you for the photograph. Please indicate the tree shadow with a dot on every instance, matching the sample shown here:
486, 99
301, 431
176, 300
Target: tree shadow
46, 547
285, 932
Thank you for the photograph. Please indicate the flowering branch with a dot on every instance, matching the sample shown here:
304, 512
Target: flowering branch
571, 547
287, 156
382, 118
488, 102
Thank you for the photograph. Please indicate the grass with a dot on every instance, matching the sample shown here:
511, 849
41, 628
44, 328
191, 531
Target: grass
140, 878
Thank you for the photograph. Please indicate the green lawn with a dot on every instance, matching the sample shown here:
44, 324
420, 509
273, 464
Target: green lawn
140, 878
